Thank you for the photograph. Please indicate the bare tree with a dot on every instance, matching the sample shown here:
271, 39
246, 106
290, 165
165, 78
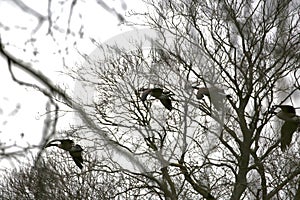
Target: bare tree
210, 148
205, 146
56, 178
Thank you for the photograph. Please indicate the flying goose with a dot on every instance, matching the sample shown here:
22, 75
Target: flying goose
158, 93
69, 145
216, 95
292, 121
210, 91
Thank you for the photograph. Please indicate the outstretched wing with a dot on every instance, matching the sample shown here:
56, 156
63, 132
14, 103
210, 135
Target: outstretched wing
75, 153
166, 101
287, 130
78, 161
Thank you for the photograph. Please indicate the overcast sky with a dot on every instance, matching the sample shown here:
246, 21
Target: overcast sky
21, 108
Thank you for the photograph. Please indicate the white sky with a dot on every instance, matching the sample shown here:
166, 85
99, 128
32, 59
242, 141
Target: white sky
30, 104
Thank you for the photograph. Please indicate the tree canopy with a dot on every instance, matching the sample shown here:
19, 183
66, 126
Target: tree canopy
192, 116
